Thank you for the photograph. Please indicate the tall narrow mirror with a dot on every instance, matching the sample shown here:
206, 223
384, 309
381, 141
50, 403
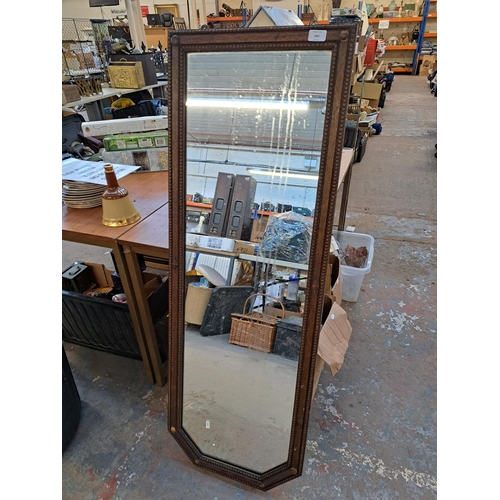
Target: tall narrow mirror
256, 122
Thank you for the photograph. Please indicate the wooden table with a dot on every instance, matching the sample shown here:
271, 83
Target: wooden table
149, 238
149, 193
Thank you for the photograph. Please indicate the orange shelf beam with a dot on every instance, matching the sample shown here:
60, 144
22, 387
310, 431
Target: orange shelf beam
400, 47
224, 19
396, 19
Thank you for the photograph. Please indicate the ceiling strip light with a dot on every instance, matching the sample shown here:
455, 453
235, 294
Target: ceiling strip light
246, 104
291, 175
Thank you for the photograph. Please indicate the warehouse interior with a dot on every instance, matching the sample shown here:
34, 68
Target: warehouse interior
372, 430
373, 427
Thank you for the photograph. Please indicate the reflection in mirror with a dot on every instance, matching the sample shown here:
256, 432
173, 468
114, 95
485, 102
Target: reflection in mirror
254, 139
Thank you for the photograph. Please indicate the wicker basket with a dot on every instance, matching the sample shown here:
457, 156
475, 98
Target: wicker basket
255, 329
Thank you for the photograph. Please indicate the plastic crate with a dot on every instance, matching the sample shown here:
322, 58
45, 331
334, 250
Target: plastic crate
106, 325
352, 277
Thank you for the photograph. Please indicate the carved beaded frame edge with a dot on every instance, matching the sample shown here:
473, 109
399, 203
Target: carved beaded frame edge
340, 41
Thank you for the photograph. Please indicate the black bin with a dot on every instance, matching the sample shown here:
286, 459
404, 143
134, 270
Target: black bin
106, 325
71, 403
287, 341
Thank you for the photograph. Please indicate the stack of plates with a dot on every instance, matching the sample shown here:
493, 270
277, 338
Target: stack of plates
77, 194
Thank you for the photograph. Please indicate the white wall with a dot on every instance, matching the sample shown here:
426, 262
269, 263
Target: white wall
81, 9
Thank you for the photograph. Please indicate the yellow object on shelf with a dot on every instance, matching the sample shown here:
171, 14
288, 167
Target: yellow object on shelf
123, 102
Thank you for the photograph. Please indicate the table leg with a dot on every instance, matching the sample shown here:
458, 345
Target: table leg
128, 288
135, 274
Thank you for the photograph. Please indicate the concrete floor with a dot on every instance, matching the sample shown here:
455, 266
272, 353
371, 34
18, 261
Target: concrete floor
372, 427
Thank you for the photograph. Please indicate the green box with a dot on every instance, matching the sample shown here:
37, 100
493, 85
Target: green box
138, 140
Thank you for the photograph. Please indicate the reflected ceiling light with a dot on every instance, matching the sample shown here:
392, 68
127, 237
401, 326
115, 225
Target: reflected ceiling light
289, 174
246, 104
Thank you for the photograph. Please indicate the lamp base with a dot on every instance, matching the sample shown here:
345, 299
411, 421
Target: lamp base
121, 222
119, 211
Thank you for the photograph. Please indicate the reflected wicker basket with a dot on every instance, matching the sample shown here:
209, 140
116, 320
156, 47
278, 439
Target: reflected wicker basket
255, 329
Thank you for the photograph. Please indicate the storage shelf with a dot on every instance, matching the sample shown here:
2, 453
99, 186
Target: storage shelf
432, 16
400, 47
273, 261
430, 35
204, 207
397, 19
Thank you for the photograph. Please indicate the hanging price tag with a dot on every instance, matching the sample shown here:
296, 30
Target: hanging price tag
383, 24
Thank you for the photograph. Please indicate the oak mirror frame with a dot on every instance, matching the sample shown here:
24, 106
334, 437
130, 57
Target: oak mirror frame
339, 41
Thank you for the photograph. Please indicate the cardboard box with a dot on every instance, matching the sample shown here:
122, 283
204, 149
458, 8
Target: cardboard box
333, 283
150, 283
333, 286
259, 228
277, 312
70, 93
210, 242
139, 140
320, 363
103, 128
368, 91
150, 160
427, 65
334, 338
244, 247
102, 277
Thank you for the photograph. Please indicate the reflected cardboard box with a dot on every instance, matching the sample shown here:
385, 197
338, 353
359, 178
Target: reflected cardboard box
258, 228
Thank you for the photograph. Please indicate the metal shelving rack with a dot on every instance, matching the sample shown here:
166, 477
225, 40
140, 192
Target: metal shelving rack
86, 46
416, 55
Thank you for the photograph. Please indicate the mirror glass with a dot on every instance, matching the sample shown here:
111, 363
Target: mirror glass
254, 131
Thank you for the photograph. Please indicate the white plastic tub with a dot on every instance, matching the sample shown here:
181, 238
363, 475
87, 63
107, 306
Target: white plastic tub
352, 277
